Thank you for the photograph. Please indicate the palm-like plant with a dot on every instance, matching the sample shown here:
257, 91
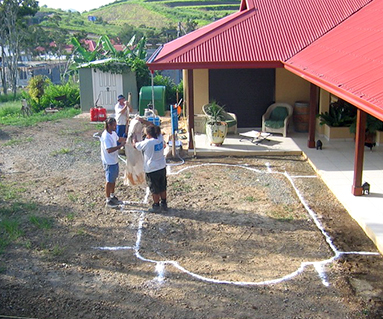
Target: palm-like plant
372, 125
340, 114
105, 49
214, 112
84, 55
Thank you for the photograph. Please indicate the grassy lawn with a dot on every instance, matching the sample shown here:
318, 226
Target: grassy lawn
10, 115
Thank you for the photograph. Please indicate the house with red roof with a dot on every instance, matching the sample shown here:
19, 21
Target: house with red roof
285, 51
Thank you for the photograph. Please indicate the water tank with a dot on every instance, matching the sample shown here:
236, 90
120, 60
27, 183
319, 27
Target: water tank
145, 99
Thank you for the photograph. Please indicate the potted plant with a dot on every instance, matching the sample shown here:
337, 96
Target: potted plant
373, 125
338, 119
216, 127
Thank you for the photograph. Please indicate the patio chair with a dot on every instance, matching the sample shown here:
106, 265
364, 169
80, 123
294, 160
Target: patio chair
277, 118
229, 118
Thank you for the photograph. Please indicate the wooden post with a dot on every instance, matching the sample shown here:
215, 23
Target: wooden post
361, 116
190, 107
174, 145
312, 115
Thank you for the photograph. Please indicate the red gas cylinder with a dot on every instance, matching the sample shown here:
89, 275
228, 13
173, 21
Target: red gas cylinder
101, 114
94, 114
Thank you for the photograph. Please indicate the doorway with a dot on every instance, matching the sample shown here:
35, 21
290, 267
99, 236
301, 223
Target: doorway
106, 88
245, 92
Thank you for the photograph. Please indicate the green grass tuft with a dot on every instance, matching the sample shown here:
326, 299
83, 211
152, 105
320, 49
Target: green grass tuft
62, 151
41, 222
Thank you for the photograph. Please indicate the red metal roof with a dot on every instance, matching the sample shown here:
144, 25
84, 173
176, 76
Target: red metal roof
261, 34
348, 60
91, 44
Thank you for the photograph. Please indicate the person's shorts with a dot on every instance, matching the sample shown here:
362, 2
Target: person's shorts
111, 172
121, 130
157, 181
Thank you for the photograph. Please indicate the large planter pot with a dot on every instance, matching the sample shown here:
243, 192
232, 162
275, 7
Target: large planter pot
216, 133
331, 132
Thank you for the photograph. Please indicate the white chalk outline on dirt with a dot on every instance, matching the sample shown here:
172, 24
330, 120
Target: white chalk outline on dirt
319, 266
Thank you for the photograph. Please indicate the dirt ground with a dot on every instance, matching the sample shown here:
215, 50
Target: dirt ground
257, 237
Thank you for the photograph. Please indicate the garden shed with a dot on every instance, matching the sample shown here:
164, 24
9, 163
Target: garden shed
102, 81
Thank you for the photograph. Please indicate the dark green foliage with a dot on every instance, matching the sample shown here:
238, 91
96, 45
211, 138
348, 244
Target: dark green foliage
340, 114
372, 125
142, 72
171, 89
69, 90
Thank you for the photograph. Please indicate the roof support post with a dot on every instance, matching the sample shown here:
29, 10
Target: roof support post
190, 106
312, 115
361, 116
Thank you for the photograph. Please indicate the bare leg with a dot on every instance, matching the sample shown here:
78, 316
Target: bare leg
109, 188
156, 198
163, 195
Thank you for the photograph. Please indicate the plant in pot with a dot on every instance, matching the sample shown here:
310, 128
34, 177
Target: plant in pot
372, 126
338, 119
216, 127
340, 114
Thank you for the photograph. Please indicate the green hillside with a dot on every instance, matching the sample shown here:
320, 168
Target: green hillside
158, 14
140, 14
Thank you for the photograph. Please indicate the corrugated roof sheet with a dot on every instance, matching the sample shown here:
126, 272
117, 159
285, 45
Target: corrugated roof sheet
261, 34
348, 61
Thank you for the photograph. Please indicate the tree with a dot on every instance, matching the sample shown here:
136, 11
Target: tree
36, 39
13, 15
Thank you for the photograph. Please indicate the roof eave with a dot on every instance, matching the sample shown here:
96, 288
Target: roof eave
215, 65
350, 97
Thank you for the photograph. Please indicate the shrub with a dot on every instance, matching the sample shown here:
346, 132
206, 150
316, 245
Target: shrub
170, 88
42, 94
69, 90
35, 90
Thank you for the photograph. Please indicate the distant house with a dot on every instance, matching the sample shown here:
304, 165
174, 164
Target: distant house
90, 44
288, 51
28, 68
50, 69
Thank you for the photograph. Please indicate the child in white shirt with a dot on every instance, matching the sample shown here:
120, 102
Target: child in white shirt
154, 167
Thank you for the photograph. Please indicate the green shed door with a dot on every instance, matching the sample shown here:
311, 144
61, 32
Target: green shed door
245, 92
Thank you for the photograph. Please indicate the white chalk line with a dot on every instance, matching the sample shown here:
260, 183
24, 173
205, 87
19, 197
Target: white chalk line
115, 248
319, 266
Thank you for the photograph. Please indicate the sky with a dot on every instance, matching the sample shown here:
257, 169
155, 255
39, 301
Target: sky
79, 5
